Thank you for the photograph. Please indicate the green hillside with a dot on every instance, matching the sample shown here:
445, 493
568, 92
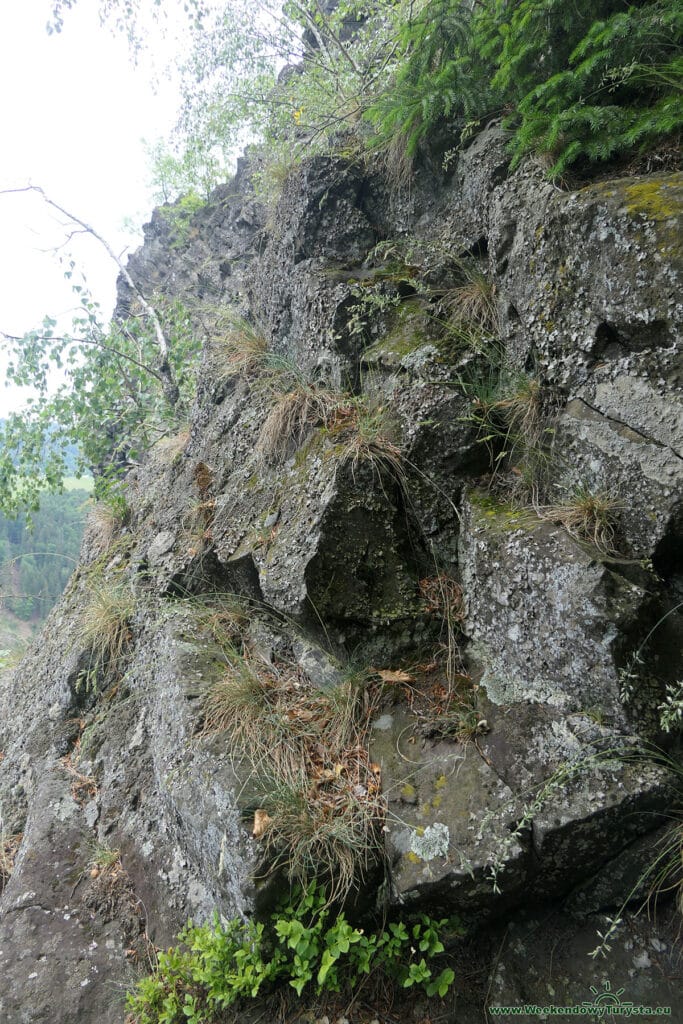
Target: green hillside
36, 562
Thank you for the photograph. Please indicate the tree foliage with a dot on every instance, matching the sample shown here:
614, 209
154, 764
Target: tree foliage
120, 388
579, 82
111, 400
587, 81
130, 17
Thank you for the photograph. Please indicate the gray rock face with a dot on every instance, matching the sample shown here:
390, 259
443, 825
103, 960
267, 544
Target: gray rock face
549, 619
341, 540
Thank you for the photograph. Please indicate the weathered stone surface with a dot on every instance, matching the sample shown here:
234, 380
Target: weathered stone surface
624, 440
589, 269
546, 961
447, 784
546, 618
528, 811
60, 934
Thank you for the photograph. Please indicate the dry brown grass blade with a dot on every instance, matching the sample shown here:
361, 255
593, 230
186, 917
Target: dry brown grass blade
588, 516
320, 807
241, 351
293, 414
105, 621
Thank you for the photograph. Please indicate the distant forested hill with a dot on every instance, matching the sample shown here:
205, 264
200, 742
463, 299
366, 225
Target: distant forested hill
35, 564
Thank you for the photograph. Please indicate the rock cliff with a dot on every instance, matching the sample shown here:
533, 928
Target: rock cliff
437, 437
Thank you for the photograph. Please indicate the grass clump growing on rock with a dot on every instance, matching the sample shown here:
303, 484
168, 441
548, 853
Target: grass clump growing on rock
511, 412
586, 515
105, 628
365, 433
241, 349
297, 405
294, 413
471, 304
326, 822
317, 803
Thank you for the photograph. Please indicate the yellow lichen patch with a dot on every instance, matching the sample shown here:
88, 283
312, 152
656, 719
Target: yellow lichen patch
436, 802
407, 791
659, 199
440, 782
413, 857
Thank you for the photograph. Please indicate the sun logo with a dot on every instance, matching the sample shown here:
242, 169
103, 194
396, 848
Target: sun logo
605, 998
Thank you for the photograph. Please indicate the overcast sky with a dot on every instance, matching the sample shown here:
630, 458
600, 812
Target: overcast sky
73, 113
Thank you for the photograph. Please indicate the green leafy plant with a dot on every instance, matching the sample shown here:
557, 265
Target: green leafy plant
663, 876
671, 710
434, 77
124, 386
591, 81
574, 84
638, 682
303, 945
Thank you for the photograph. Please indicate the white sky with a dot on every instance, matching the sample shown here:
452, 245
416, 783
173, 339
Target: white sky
73, 113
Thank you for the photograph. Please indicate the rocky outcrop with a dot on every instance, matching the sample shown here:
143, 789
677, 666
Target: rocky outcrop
386, 529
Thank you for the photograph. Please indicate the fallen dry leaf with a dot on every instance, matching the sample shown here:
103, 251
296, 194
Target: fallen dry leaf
261, 822
301, 713
394, 676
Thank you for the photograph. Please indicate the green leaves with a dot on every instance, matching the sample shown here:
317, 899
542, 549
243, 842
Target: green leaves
611, 77
222, 963
98, 388
578, 83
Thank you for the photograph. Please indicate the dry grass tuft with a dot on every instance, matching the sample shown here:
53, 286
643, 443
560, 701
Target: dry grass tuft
171, 446
320, 807
241, 351
83, 787
509, 408
472, 304
443, 596
293, 414
224, 616
444, 706
105, 625
104, 860
328, 822
587, 516
399, 165
366, 434
238, 702
103, 523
